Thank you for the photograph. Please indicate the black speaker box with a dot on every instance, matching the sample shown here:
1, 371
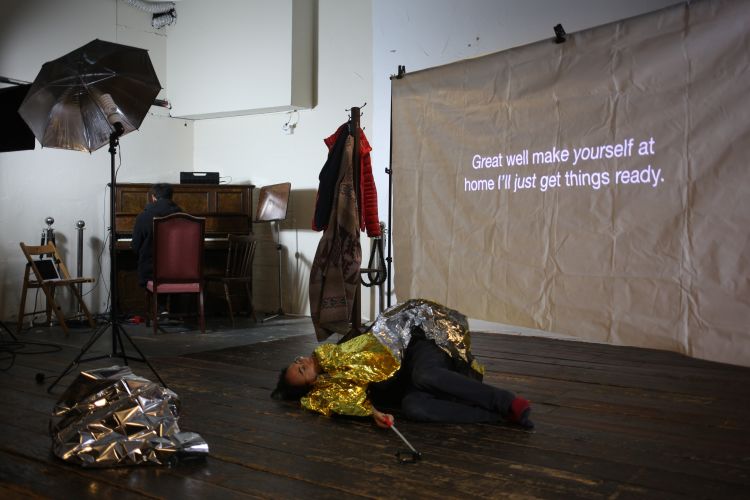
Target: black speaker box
199, 177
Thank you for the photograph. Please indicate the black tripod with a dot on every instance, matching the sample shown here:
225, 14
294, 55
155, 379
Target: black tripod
118, 332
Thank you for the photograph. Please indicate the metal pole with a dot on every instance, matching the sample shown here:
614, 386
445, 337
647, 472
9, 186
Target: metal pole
356, 173
79, 271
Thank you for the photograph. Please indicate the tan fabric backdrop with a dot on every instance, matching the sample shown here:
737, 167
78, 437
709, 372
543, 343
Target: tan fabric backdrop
598, 188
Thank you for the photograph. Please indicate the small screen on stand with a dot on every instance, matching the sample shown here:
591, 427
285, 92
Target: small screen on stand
47, 269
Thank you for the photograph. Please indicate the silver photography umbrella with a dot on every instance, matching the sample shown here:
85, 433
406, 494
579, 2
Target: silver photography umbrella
76, 100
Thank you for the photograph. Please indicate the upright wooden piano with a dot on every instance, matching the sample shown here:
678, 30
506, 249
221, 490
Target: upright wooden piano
228, 209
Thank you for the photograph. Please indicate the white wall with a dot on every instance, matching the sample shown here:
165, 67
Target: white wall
422, 34
250, 49
71, 185
255, 149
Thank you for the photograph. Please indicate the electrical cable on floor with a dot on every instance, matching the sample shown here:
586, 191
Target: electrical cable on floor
9, 349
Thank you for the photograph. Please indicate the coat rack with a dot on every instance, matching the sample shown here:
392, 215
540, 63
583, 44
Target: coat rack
354, 128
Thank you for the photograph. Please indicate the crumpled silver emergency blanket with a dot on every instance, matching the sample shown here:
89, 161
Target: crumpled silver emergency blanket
111, 417
448, 328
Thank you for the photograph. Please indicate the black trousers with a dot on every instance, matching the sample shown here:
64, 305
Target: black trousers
435, 392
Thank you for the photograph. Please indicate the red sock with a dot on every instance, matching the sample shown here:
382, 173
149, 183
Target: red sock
517, 407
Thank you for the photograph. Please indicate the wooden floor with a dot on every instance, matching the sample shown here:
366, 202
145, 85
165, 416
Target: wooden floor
611, 422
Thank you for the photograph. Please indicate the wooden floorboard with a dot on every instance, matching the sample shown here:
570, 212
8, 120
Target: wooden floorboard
611, 422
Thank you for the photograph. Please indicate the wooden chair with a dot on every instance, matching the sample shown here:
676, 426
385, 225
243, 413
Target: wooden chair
238, 271
178, 261
46, 270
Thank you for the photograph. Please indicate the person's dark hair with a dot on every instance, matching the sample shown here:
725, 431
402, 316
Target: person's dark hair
162, 191
285, 390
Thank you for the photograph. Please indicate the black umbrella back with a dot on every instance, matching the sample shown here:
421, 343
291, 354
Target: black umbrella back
75, 100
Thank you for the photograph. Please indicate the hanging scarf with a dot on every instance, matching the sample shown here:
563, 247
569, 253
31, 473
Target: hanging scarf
334, 277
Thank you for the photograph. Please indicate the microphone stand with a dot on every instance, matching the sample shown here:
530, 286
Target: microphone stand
118, 348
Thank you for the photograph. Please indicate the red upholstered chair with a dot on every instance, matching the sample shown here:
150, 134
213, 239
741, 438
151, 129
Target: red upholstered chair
178, 261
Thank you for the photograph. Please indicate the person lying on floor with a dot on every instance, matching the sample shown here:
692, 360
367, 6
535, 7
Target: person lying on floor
417, 357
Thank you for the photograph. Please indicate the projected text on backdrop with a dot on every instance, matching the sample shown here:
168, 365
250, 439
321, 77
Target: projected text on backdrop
597, 188
515, 170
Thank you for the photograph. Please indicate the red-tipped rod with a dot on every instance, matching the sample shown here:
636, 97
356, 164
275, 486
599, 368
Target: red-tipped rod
404, 440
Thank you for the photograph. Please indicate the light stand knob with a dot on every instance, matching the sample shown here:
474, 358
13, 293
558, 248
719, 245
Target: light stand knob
48, 233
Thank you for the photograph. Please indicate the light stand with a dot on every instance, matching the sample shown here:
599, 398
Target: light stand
279, 248
118, 348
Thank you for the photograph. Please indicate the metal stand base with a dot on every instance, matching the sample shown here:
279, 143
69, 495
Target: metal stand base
118, 351
277, 314
280, 314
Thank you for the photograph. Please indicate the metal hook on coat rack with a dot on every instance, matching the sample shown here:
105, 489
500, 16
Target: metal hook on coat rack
349, 111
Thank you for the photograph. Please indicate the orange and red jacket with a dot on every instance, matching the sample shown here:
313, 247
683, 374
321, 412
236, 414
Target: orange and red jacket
368, 216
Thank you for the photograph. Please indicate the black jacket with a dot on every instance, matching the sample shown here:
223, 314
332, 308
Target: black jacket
143, 236
328, 178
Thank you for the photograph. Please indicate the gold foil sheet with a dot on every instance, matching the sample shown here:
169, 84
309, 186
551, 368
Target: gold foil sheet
349, 367
112, 417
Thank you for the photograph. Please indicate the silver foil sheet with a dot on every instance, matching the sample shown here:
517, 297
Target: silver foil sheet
447, 327
112, 417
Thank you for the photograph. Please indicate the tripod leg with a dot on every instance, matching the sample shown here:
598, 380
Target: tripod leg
2, 325
250, 308
228, 298
140, 353
77, 359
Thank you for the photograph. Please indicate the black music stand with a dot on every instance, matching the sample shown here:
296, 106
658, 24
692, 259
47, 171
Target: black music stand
272, 207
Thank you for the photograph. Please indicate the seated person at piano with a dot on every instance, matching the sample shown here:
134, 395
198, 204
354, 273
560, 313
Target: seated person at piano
159, 204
